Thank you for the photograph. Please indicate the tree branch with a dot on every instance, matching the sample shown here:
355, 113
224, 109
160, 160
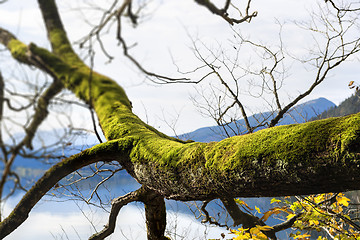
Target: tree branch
285, 225
242, 218
39, 116
224, 14
116, 206
60, 43
41, 111
155, 214
55, 174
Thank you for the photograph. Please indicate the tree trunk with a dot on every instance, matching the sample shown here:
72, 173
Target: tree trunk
155, 214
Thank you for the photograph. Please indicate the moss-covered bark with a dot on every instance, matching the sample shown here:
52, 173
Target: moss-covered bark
297, 159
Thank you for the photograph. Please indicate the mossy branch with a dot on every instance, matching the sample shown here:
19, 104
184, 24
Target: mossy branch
250, 165
60, 43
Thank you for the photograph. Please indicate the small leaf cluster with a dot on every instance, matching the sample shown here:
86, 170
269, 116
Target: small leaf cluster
325, 216
252, 233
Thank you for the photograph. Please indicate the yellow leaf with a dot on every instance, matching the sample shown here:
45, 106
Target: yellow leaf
242, 203
290, 216
241, 237
257, 209
303, 236
254, 231
267, 215
319, 198
342, 200
313, 222
274, 200
241, 234
275, 210
264, 228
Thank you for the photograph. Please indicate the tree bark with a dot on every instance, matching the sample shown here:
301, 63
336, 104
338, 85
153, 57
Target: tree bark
320, 156
155, 214
308, 158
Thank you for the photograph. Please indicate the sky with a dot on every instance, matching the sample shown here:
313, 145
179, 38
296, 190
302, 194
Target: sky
165, 36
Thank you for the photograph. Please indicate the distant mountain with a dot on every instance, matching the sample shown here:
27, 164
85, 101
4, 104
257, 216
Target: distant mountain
349, 106
298, 114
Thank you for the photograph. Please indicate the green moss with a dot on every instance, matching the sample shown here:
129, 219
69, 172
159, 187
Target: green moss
54, 63
63, 48
279, 147
18, 50
287, 144
167, 153
335, 139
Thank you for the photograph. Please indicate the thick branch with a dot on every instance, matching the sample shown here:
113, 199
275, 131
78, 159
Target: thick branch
6, 37
155, 213
309, 158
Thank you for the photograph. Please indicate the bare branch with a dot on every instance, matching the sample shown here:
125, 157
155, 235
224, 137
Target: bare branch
348, 8
208, 218
41, 111
116, 206
245, 219
49, 180
161, 79
224, 13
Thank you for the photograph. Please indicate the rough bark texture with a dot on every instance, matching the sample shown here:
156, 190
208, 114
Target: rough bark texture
155, 214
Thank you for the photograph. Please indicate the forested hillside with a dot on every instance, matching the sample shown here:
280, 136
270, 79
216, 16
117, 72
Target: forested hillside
349, 106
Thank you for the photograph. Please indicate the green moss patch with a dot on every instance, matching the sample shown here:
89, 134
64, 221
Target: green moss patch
291, 144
